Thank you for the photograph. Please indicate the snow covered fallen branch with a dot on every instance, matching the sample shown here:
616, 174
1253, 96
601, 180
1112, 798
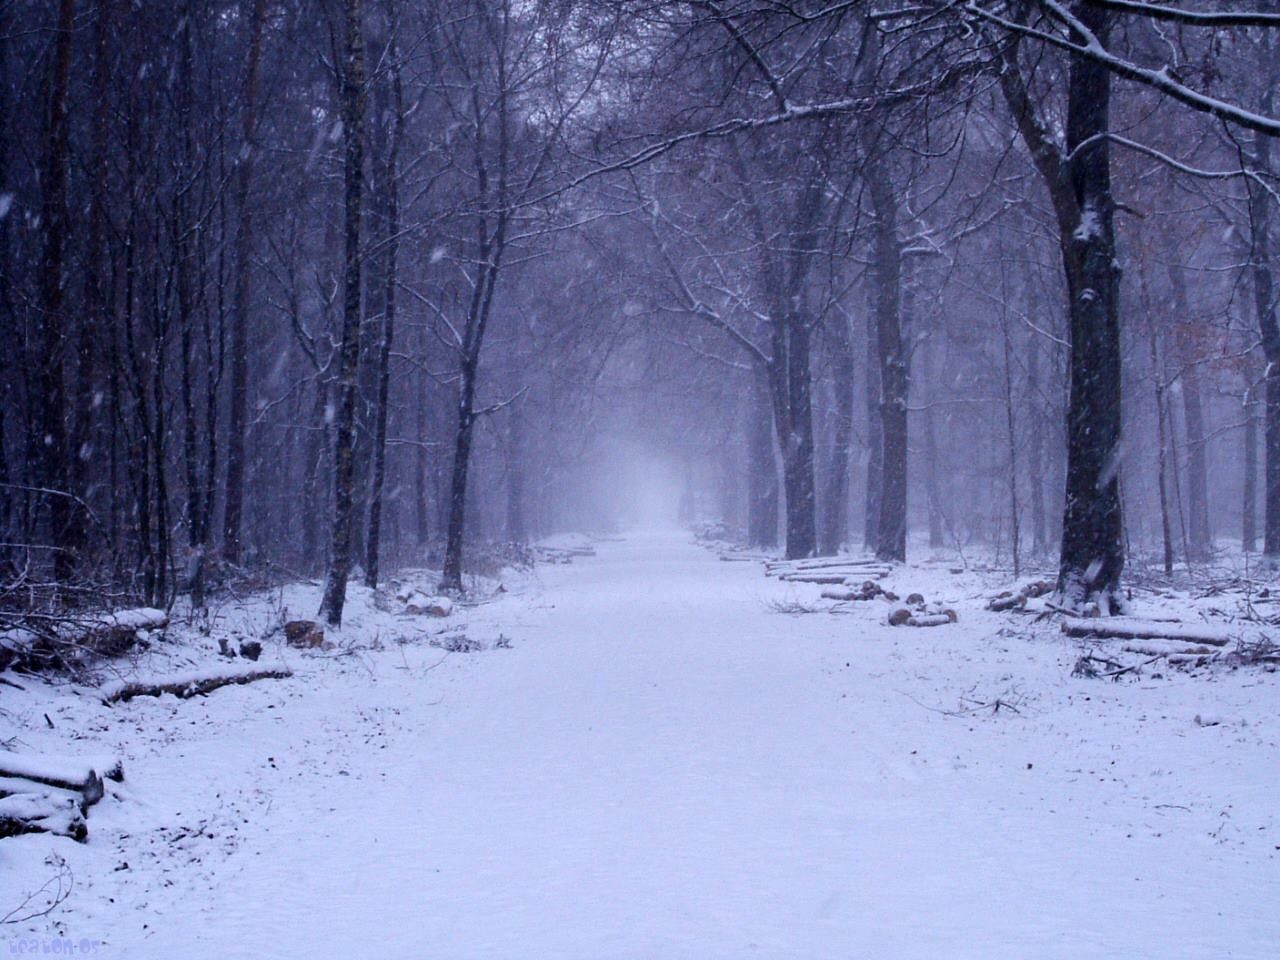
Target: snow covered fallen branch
43, 812
1132, 628
81, 777
186, 687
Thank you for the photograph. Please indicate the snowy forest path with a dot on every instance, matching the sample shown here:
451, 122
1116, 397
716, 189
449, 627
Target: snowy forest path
665, 766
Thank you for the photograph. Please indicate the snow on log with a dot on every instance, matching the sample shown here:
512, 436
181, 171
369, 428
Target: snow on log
822, 578
829, 563
1016, 599
906, 617
14, 787
930, 620
185, 687
1132, 628
43, 812
1007, 601
79, 776
1167, 648
113, 633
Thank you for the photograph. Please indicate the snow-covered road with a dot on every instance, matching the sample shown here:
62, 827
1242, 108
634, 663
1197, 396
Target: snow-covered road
664, 767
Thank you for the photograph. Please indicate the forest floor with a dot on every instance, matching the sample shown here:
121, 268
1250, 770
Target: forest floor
651, 758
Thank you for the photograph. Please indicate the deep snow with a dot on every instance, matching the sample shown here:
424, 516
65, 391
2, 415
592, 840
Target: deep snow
664, 766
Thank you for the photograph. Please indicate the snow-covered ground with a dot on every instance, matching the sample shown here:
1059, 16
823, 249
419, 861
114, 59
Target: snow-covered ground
649, 759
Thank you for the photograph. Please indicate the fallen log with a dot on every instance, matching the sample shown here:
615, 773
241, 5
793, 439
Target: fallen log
42, 812
82, 777
1167, 648
822, 578
186, 687
1007, 601
829, 563
1133, 628
14, 786
868, 591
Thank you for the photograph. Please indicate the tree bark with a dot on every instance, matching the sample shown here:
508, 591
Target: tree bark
391, 196
762, 469
875, 446
516, 527
1199, 545
352, 90
1078, 178
55, 474
835, 517
1261, 252
1092, 557
891, 526
237, 419
1249, 506
1039, 525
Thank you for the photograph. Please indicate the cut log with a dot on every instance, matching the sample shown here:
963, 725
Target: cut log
112, 634
929, 620
14, 786
822, 578
1132, 628
43, 812
79, 776
187, 686
1007, 601
898, 616
822, 563
1165, 648
303, 634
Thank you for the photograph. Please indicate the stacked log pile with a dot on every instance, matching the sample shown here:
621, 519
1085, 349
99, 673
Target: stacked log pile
51, 795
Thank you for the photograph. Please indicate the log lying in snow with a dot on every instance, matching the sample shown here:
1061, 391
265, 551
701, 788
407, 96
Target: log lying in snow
904, 617
823, 578
1170, 648
1012, 599
829, 563
1132, 628
868, 591
848, 576
186, 687
80, 777
42, 812
56, 642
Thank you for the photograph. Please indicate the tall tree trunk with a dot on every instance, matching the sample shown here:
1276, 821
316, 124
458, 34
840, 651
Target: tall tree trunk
55, 474
9, 331
762, 469
1264, 300
1011, 426
891, 527
185, 282
237, 414
1035, 453
798, 448
517, 528
393, 110
1197, 468
451, 577
314, 498
875, 445
835, 517
422, 502
1092, 557
1249, 506
352, 93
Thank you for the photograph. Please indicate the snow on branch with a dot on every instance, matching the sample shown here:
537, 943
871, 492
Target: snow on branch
1195, 18
1092, 48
